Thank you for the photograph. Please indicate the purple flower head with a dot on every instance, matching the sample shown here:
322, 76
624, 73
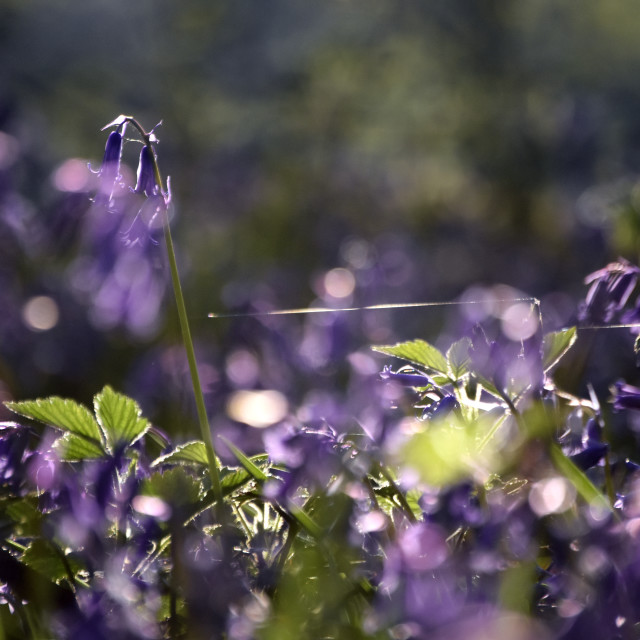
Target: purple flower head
145, 222
590, 456
625, 396
463, 505
146, 177
442, 407
610, 290
584, 445
112, 152
109, 171
312, 456
13, 451
147, 219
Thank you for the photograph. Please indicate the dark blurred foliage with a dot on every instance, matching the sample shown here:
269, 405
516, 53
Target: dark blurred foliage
429, 146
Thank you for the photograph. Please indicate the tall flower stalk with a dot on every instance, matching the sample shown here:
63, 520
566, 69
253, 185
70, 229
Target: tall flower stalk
150, 183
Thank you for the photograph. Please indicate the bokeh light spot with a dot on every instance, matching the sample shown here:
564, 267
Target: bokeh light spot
519, 322
372, 521
357, 253
151, 506
551, 495
41, 313
72, 176
258, 409
242, 368
339, 283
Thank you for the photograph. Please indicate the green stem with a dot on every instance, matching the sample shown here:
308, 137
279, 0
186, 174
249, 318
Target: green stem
399, 495
205, 430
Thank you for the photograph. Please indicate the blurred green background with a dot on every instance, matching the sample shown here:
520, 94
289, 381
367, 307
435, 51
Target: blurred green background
459, 142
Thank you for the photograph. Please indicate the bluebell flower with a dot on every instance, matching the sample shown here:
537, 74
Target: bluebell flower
109, 172
146, 220
312, 457
146, 178
441, 407
593, 448
590, 456
625, 396
610, 290
117, 272
13, 452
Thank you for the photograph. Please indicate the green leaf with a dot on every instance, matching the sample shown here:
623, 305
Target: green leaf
306, 521
452, 449
65, 415
48, 560
578, 478
231, 479
417, 352
458, 358
193, 452
556, 344
256, 472
120, 418
73, 448
413, 497
21, 516
175, 486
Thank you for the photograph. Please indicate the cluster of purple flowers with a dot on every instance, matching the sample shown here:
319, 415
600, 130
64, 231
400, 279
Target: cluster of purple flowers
609, 292
462, 494
334, 534
119, 273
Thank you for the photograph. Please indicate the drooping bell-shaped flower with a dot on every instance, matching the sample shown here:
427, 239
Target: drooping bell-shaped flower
146, 220
625, 396
109, 171
146, 178
610, 289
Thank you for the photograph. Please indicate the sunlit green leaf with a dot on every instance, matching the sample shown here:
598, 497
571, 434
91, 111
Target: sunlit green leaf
246, 462
21, 516
458, 358
450, 450
413, 500
120, 418
175, 486
73, 448
417, 352
555, 345
578, 478
517, 583
306, 521
66, 415
193, 452
50, 561
233, 479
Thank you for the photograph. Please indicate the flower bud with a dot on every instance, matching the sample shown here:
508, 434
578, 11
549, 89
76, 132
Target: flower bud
146, 178
112, 150
110, 168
